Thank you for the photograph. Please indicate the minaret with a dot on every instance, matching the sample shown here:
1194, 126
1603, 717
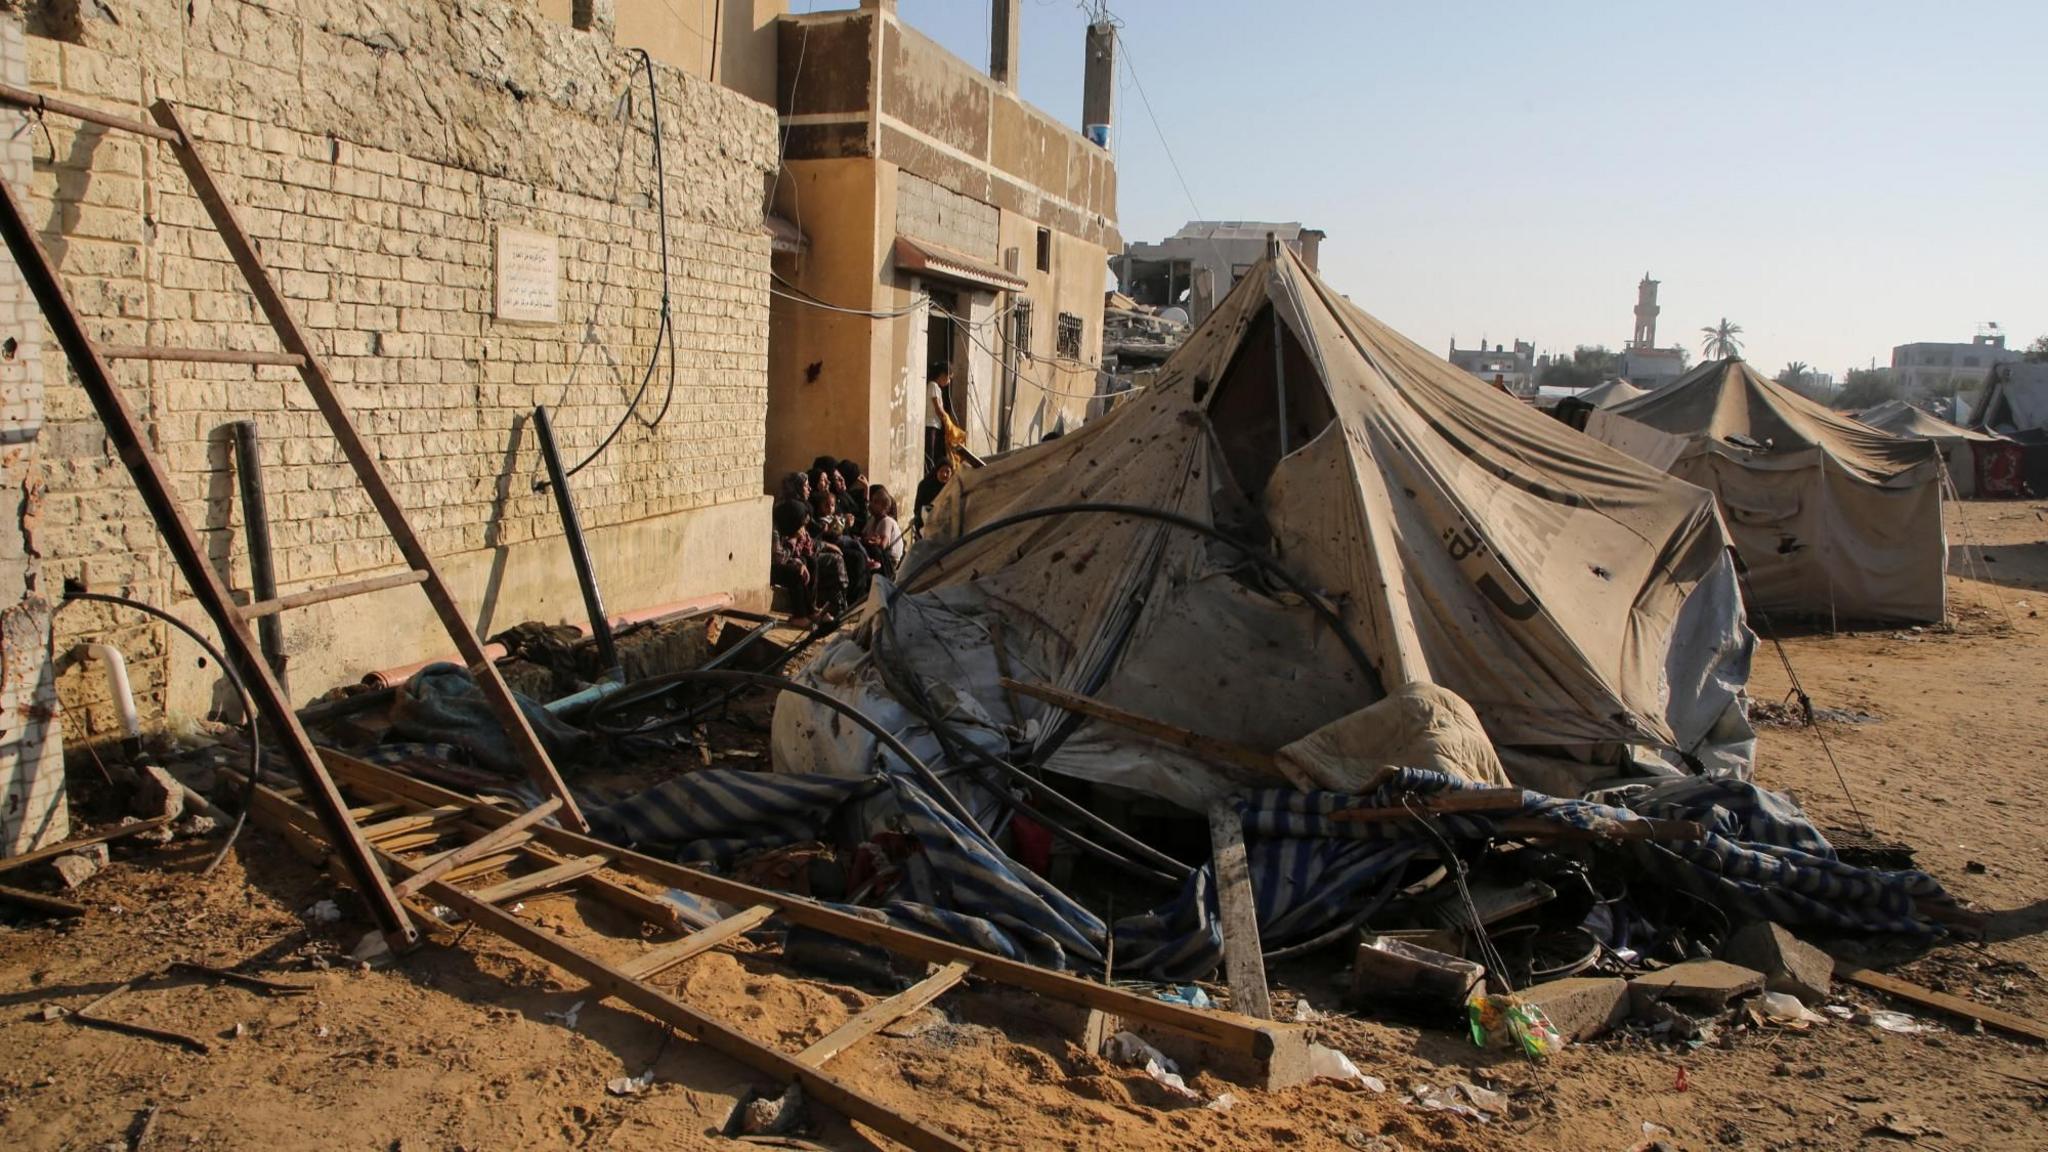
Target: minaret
1646, 314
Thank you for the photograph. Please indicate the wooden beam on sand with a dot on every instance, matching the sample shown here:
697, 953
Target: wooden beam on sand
1243, 959
1912, 993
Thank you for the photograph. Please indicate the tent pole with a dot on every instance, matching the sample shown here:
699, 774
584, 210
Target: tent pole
1279, 352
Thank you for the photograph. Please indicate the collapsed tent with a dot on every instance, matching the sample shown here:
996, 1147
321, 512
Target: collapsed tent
1959, 446
1583, 605
2015, 407
1831, 518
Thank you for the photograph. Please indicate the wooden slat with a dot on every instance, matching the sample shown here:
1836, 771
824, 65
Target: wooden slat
405, 822
525, 745
1243, 959
199, 355
650, 910
532, 882
1227, 1032
36, 901
311, 596
8, 864
503, 835
37, 102
883, 1013
484, 865
649, 964
1913, 993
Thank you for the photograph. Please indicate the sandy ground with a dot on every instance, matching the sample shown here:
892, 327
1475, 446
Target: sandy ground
456, 1050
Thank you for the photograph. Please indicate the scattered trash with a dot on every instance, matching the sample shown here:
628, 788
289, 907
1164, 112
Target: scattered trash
1170, 1081
1681, 1082
630, 1085
1459, 1100
1188, 994
1897, 1022
1129, 1048
1840, 1011
1326, 1063
1224, 1102
320, 1031
773, 1115
371, 951
1785, 1008
324, 912
1511, 1022
567, 1016
1305, 1012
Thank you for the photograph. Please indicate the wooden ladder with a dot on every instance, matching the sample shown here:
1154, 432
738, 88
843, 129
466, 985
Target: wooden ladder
90, 359
479, 861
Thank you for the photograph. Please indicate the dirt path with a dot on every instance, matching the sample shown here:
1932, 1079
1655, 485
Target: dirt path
456, 1050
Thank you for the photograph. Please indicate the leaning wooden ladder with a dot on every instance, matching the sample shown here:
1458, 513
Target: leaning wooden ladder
232, 621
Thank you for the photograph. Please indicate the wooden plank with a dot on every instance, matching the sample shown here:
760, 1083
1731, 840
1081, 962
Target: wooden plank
37, 102
649, 964
563, 873
37, 902
1225, 1031
311, 596
415, 821
715, 1034
1254, 765
484, 865
314, 373
138, 454
503, 835
1912, 993
1242, 958
883, 1013
652, 910
10, 863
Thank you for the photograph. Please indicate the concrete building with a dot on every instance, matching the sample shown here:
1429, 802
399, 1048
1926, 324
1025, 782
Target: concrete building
1936, 368
387, 158
941, 218
1514, 368
1198, 265
1642, 363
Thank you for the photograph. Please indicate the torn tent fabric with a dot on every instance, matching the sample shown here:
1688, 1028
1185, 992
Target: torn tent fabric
1832, 518
1311, 873
1462, 539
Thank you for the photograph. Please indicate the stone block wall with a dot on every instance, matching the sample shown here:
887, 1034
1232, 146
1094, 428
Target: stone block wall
373, 151
927, 211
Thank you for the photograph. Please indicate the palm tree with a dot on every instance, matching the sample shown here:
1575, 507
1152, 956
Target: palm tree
1794, 374
1721, 342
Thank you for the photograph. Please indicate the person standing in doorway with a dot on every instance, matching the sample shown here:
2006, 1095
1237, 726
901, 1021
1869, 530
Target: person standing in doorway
937, 379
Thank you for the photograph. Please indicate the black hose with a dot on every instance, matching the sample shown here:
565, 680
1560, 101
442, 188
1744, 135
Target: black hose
234, 677
665, 331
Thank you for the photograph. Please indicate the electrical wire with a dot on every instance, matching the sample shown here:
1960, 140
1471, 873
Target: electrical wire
234, 677
665, 332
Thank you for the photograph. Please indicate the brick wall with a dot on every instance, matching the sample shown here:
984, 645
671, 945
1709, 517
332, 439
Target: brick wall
32, 802
927, 211
373, 152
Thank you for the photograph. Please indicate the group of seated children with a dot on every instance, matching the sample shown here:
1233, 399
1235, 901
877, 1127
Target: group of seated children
834, 532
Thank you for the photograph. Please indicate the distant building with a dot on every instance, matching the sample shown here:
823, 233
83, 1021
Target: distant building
1642, 363
1934, 367
1198, 265
1514, 368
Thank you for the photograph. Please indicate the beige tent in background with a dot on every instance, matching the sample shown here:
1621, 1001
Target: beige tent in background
1833, 519
1957, 444
1612, 392
1581, 603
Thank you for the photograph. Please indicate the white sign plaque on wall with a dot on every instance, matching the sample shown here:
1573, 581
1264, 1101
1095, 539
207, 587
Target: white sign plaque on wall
529, 275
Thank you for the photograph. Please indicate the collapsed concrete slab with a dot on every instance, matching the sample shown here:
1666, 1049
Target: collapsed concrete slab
1789, 964
1697, 983
1582, 1007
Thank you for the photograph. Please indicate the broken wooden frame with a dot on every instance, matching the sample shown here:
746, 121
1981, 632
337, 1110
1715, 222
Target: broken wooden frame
418, 815
137, 451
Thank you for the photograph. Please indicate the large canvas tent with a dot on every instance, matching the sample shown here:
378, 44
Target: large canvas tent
1574, 410
1582, 604
1958, 445
1833, 519
2015, 406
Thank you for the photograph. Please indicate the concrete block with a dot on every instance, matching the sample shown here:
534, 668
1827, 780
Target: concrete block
1582, 1007
158, 793
75, 868
1789, 964
1701, 983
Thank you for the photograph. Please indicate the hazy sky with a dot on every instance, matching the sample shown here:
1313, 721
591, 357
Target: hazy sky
1837, 177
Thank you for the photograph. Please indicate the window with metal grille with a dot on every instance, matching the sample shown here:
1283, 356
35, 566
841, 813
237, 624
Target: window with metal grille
1067, 346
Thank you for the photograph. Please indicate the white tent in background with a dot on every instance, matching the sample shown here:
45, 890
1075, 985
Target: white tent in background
1611, 393
1832, 518
1582, 604
1957, 444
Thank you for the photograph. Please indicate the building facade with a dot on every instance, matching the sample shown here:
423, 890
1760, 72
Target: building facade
1199, 265
937, 218
385, 157
1513, 368
1944, 368
1642, 363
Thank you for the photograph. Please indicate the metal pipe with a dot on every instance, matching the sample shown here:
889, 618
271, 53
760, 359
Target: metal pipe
579, 552
256, 527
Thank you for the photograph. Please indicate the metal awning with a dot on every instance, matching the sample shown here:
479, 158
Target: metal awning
931, 260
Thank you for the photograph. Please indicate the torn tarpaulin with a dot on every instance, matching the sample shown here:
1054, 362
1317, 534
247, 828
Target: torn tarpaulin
441, 703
